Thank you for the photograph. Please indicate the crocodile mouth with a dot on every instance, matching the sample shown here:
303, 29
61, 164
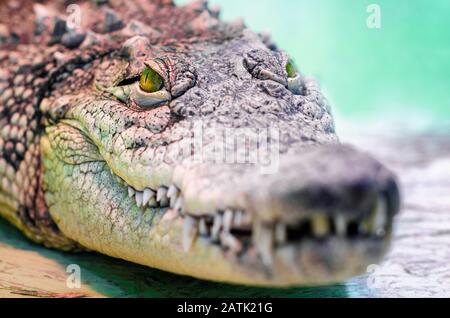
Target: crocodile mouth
312, 227
241, 234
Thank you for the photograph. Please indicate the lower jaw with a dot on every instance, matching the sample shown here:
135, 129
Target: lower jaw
311, 261
158, 244
306, 263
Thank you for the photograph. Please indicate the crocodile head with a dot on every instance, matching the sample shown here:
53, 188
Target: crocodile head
211, 157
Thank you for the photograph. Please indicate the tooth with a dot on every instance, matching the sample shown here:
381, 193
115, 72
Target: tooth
161, 197
341, 225
203, 228
217, 224
139, 197
148, 194
173, 200
320, 225
280, 233
131, 192
368, 224
231, 242
381, 217
263, 241
172, 190
189, 233
227, 220
172, 195
179, 204
161, 194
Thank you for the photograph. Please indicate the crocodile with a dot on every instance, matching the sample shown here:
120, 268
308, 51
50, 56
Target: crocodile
162, 135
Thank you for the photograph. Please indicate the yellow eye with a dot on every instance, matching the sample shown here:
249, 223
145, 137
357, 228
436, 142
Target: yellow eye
291, 69
150, 81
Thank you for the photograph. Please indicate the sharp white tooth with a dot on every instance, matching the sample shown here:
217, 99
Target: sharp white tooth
173, 200
381, 217
217, 224
190, 230
148, 194
172, 191
231, 242
131, 192
264, 243
280, 233
179, 204
172, 195
341, 225
202, 227
139, 197
161, 194
227, 220
320, 225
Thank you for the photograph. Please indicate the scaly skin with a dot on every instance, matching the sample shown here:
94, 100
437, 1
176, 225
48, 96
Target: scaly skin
88, 161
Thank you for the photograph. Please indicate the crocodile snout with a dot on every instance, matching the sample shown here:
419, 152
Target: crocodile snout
331, 180
323, 204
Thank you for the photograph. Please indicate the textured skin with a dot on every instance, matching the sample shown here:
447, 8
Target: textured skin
75, 140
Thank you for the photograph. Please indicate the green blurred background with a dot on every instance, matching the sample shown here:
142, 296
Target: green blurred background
401, 70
